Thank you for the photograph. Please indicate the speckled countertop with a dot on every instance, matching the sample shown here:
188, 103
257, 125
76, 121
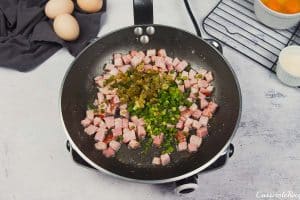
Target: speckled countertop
35, 165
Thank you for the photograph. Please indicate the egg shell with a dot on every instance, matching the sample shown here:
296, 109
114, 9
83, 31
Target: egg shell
54, 8
66, 27
90, 6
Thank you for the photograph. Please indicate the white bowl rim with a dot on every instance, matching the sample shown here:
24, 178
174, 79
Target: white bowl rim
278, 13
283, 52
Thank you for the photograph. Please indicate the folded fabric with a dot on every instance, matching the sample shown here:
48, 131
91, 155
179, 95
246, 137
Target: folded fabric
27, 38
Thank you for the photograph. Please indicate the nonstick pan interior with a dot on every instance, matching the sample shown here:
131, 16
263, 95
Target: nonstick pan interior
79, 89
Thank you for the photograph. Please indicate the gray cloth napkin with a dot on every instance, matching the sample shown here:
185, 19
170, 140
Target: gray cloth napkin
27, 38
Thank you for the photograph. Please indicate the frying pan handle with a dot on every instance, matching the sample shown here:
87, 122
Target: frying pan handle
215, 44
143, 12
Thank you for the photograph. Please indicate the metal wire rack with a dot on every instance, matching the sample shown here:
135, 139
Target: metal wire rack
233, 22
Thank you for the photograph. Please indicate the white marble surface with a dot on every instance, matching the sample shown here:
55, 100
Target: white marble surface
35, 165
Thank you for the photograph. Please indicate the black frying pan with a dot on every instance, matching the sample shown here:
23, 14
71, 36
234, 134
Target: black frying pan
78, 89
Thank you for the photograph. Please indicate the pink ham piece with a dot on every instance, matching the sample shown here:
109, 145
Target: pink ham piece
86, 122
165, 159
181, 66
159, 62
207, 113
162, 53
100, 97
128, 135
186, 129
192, 74
182, 108
202, 132
197, 114
182, 146
116, 131
115, 145
193, 107
100, 146
176, 61
141, 132
133, 53
109, 121
180, 124
203, 121
124, 123
192, 148
147, 60
97, 121
186, 114
194, 89
116, 99
181, 88
114, 72
196, 124
187, 84
100, 135
136, 60
124, 68
196, 140
147, 67
126, 59
188, 123
193, 82
99, 80
118, 61
201, 96
157, 140
207, 91
133, 144
212, 106
90, 114
132, 126
91, 129
118, 123
109, 152
109, 67
151, 52
156, 161
202, 83
203, 103
169, 61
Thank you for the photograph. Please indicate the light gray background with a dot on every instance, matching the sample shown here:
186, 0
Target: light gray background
35, 165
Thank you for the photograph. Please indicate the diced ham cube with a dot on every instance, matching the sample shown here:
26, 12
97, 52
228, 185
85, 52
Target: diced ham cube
192, 74
126, 59
151, 52
118, 61
116, 132
197, 114
90, 114
203, 121
206, 112
128, 135
165, 159
194, 89
162, 53
157, 140
176, 61
195, 140
181, 88
193, 107
186, 114
141, 132
148, 67
114, 72
212, 106
192, 148
141, 54
147, 60
115, 145
116, 99
188, 123
209, 77
201, 96
110, 96
133, 144
124, 123
99, 80
95, 103
202, 71
118, 123
109, 121
132, 126
100, 135
106, 90
180, 136
203, 103
109, 67
185, 75
170, 67
182, 108
100, 146
187, 84
186, 129
202, 83
182, 146
91, 129
202, 132
109, 152
156, 161
136, 60
193, 82
169, 61
196, 124
181, 66
180, 124
86, 122
124, 68
133, 53
159, 62
100, 97
124, 113
207, 91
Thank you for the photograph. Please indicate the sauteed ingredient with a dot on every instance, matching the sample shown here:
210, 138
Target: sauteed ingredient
149, 99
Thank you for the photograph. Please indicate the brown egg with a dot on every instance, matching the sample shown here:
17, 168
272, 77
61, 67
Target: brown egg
66, 27
54, 8
90, 6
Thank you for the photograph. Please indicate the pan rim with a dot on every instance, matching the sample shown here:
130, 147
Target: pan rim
159, 181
